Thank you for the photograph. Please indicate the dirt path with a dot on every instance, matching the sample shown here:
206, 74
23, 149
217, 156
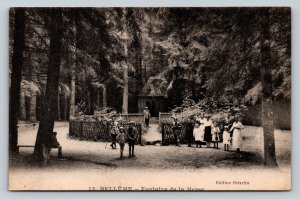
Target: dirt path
97, 154
89, 164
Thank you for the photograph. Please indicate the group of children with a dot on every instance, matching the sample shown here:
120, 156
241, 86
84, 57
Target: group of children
201, 131
204, 132
120, 135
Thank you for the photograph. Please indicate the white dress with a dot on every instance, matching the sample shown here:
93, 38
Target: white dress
226, 137
215, 134
237, 135
199, 133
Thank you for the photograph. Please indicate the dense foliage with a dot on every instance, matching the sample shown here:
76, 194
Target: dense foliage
198, 53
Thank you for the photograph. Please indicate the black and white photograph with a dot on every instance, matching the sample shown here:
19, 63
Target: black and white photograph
150, 99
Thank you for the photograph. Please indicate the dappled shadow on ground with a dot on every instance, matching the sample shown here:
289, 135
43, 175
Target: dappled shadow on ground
231, 160
170, 158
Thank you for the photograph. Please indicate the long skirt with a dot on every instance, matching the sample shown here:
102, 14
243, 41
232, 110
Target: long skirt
237, 139
207, 134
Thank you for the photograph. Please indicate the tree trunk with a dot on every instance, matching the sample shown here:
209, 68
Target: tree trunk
44, 135
98, 98
22, 107
16, 77
267, 99
104, 96
73, 50
125, 66
65, 117
88, 101
58, 107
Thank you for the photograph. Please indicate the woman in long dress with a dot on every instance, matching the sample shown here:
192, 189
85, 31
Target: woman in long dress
237, 134
207, 130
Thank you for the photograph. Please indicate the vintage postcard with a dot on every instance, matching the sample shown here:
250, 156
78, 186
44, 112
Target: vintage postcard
150, 99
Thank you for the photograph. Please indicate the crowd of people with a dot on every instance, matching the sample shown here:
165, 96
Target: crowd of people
204, 131
199, 131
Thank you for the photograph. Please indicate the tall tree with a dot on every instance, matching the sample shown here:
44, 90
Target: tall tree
16, 77
43, 140
73, 51
125, 64
267, 97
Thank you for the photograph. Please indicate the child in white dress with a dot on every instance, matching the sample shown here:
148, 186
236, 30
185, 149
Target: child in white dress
198, 133
226, 138
215, 135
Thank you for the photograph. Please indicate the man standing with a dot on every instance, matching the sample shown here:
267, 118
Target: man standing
132, 135
146, 116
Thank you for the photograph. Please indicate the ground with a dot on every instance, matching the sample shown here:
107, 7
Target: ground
95, 156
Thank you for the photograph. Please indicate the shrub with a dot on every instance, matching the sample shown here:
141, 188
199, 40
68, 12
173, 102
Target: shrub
221, 111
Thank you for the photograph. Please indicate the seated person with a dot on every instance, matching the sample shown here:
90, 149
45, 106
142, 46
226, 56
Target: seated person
55, 144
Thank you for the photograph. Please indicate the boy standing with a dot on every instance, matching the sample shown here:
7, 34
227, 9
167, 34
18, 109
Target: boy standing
121, 140
132, 134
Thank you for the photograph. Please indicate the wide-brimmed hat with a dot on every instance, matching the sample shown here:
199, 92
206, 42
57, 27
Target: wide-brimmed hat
131, 122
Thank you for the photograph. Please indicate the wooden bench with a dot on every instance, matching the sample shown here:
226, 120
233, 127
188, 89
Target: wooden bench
59, 153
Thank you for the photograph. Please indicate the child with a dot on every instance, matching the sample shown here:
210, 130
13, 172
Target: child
132, 135
215, 135
198, 133
226, 138
114, 132
121, 140
55, 144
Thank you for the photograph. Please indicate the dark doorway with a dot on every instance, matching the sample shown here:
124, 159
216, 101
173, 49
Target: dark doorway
152, 108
